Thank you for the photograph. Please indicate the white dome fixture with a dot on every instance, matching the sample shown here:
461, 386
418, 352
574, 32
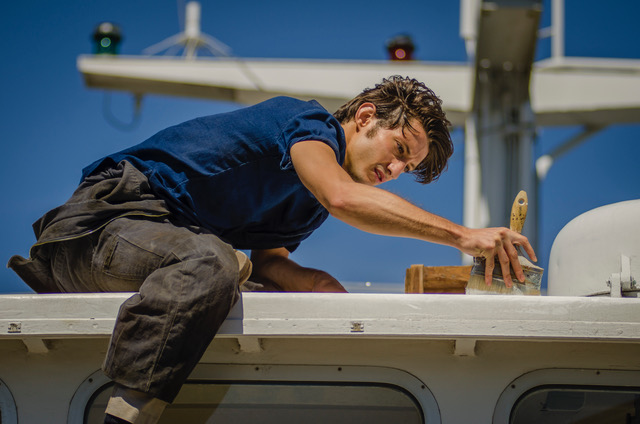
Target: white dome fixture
598, 253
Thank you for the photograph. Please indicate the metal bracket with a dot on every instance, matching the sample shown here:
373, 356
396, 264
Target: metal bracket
357, 327
35, 345
14, 327
625, 273
250, 344
622, 281
465, 347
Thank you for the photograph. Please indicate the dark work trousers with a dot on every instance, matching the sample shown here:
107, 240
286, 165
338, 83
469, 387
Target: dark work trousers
186, 281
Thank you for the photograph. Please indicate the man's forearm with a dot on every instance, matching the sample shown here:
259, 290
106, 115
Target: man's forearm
381, 212
378, 211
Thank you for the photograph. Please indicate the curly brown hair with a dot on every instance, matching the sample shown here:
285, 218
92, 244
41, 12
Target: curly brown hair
398, 101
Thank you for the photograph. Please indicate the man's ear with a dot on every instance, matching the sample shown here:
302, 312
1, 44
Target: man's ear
365, 115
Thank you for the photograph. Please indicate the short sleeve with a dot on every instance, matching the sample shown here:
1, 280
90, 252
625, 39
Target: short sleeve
292, 248
313, 124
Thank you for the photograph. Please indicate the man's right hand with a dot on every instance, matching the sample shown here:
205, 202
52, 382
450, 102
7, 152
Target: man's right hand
274, 265
325, 283
501, 242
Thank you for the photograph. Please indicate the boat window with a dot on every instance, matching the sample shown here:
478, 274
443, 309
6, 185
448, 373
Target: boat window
577, 404
280, 403
8, 414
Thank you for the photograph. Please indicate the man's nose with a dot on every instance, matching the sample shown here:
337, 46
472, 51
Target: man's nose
396, 167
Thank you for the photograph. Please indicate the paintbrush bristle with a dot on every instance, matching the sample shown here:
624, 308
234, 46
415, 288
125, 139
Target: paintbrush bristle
477, 285
531, 285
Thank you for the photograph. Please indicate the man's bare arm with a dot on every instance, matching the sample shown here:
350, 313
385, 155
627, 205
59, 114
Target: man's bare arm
380, 212
274, 266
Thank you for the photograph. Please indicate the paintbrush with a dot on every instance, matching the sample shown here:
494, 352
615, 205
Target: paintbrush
532, 273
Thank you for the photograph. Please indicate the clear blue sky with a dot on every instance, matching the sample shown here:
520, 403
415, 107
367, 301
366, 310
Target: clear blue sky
51, 126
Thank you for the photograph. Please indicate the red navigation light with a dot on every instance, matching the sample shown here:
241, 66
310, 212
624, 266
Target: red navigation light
400, 48
399, 54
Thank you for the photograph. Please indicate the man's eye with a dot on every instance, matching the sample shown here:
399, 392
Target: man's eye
400, 147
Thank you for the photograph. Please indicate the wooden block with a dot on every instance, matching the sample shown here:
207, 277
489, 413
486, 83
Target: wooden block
413, 279
437, 279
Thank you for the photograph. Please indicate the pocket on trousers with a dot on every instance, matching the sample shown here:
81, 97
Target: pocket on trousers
126, 261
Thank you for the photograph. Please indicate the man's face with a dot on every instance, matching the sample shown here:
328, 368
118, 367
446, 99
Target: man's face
375, 154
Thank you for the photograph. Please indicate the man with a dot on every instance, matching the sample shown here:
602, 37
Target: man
163, 218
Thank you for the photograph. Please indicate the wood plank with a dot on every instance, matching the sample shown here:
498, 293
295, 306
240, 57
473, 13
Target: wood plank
437, 279
414, 277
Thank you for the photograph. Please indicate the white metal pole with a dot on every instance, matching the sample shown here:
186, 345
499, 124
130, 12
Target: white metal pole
192, 29
469, 13
472, 179
192, 20
557, 28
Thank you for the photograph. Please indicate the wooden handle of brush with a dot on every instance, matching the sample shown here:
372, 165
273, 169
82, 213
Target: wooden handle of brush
519, 211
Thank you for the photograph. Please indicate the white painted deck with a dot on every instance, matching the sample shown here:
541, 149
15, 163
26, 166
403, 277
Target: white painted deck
353, 315
487, 350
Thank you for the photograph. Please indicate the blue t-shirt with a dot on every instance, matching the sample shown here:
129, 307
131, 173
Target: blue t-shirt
232, 173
